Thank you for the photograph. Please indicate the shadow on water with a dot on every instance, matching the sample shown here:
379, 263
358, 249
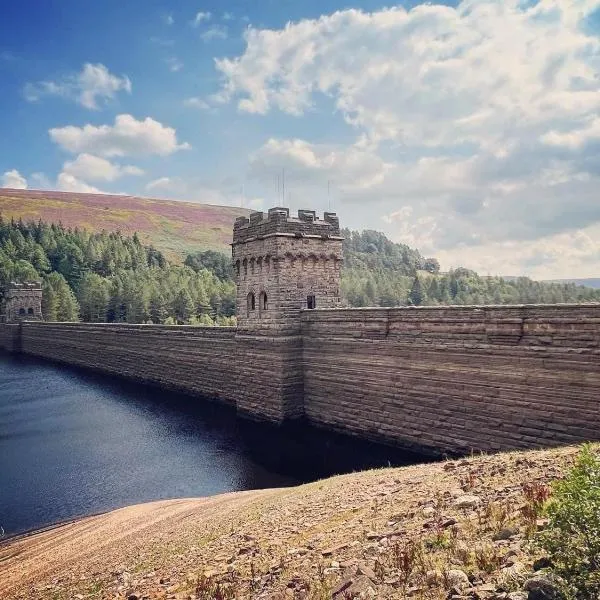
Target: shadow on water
74, 442
295, 450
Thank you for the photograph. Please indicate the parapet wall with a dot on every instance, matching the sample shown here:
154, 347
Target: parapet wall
196, 360
452, 379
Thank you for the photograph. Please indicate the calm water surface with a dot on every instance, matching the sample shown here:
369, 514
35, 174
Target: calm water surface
72, 444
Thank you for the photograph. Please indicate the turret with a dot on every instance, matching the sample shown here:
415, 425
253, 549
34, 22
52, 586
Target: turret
23, 302
283, 264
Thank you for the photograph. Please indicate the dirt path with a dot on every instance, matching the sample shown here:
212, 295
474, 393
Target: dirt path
71, 553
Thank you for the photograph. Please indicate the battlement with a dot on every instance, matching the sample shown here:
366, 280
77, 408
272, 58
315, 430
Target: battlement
278, 222
23, 289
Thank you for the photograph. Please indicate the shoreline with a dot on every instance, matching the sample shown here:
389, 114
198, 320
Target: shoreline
272, 538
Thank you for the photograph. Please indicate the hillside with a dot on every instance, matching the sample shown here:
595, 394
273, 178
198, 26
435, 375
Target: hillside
454, 529
592, 282
176, 228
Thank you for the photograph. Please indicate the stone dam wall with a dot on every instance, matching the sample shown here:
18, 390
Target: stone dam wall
456, 378
10, 337
439, 379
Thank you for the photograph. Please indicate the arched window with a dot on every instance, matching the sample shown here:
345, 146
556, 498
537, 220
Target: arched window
30, 311
21, 311
263, 301
311, 302
251, 303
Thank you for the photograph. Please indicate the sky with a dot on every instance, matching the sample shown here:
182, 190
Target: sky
469, 130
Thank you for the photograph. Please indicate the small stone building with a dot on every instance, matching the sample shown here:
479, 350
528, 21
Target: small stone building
283, 264
23, 302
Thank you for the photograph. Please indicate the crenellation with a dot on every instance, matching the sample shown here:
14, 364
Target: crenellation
278, 222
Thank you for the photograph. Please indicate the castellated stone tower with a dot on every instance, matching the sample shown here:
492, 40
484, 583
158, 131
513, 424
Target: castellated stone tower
23, 302
283, 264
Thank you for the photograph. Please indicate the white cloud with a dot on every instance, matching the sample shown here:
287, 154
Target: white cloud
127, 137
174, 64
193, 190
216, 32
431, 75
575, 138
349, 167
41, 181
227, 16
201, 17
196, 102
168, 19
162, 183
67, 183
570, 254
93, 84
14, 180
476, 128
162, 41
95, 168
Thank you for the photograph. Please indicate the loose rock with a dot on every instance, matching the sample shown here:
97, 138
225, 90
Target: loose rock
467, 501
543, 588
458, 579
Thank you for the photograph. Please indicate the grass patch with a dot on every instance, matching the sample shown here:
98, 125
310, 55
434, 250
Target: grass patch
572, 539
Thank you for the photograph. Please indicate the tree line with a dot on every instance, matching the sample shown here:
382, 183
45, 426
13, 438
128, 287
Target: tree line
379, 272
109, 277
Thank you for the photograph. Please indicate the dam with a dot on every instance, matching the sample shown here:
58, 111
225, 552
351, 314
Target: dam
441, 380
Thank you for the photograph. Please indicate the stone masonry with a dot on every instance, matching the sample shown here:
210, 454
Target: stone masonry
437, 379
23, 301
282, 265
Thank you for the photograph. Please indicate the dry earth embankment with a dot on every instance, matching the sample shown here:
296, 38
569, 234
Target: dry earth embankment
449, 529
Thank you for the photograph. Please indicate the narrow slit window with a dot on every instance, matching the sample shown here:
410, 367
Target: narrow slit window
251, 301
264, 305
311, 302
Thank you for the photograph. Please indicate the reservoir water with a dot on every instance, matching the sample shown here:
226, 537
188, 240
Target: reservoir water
74, 443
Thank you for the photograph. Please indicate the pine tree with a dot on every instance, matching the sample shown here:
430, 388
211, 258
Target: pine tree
157, 307
183, 306
417, 294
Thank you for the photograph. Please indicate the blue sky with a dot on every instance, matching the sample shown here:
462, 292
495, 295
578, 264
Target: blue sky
470, 129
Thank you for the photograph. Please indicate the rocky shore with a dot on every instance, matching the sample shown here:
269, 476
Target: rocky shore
454, 529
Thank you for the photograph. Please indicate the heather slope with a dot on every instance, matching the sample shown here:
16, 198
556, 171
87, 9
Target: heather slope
174, 227
417, 531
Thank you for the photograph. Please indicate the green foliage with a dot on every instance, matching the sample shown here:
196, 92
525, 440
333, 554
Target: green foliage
216, 262
93, 296
58, 300
110, 277
379, 272
417, 295
572, 539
